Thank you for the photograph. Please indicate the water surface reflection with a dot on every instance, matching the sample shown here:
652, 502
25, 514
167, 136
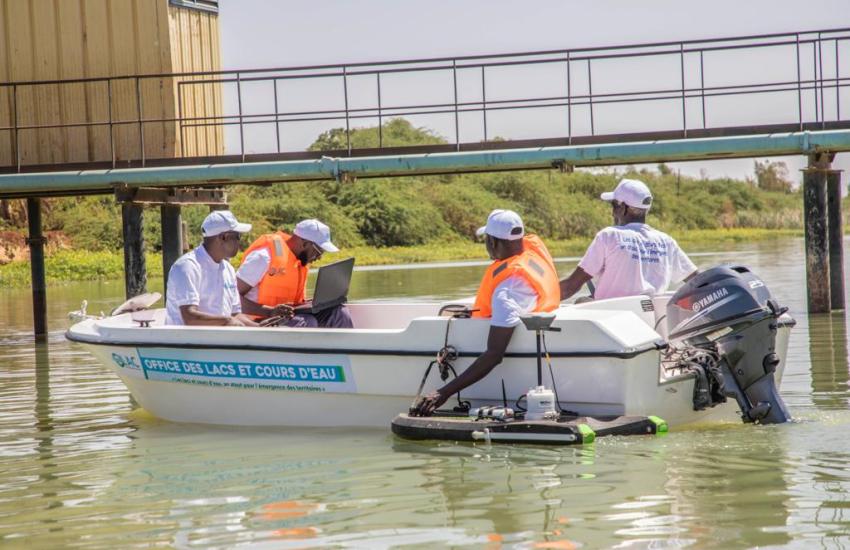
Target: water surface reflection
81, 465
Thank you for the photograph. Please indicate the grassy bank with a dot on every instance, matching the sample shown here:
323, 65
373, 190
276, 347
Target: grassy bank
67, 266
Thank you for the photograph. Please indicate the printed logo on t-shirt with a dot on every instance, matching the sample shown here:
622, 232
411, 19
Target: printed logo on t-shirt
642, 250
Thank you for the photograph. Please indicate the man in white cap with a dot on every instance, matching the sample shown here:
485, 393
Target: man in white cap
202, 283
630, 257
273, 276
521, 279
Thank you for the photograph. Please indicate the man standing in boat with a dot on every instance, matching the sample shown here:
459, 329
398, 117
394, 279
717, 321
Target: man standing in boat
273, 276
202, 283
630, 257
521, 279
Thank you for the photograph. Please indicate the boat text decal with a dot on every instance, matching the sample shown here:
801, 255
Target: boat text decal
226, 368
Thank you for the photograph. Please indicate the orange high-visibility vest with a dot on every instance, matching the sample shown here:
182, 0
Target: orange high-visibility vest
535, 264
285, 279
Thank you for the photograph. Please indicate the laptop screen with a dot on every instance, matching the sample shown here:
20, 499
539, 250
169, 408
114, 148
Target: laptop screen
332, 284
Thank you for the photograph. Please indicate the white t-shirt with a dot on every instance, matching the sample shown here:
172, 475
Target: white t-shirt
253, 269
195, 279
511, 298
632, 259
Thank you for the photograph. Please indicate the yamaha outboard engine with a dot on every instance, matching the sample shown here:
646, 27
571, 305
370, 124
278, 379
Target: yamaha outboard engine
728, 317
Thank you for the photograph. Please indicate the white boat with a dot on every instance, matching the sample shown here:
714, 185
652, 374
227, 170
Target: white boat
611, 358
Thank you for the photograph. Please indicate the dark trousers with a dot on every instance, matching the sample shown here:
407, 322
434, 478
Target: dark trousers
335, 317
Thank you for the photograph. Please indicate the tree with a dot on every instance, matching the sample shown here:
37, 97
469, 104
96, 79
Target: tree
397, 132
772, 176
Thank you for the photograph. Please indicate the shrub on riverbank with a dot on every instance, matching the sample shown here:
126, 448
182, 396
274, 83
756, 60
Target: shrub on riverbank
70, 265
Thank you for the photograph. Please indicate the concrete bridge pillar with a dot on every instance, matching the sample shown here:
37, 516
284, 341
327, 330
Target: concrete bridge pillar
818, 280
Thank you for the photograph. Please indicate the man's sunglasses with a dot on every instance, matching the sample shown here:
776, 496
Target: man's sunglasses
317, 249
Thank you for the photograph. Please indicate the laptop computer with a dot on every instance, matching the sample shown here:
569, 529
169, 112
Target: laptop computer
331, 287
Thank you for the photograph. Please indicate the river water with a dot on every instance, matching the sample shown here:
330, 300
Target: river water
82, 466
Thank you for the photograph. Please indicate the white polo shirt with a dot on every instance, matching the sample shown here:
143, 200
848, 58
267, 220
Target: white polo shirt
511, 298
195, 279
632, 259
253, 269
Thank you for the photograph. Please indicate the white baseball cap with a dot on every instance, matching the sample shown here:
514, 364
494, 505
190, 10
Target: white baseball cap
633, 193
316, 232
503, 224
221, 221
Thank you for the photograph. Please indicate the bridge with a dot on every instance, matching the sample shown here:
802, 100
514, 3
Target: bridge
746, 96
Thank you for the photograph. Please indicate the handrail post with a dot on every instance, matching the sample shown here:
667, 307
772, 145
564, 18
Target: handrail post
820, 81
180, 119
682, 73
484, 100
347, 123
241, 129
380, 118
702, 87
799, 84
457, 121
815, 81
111, 127
276, 116
837, 84
15, 124
590, 96
141, 128
569, 104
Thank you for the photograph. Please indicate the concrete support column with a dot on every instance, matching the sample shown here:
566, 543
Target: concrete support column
817, 242
836, 239
172, 239
39, 285
135, 275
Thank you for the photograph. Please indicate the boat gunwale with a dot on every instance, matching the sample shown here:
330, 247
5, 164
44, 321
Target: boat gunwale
653, 346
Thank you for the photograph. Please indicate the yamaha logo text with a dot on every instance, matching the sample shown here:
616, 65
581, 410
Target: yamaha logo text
709, 299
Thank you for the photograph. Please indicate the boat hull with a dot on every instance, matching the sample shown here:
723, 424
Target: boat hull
314, 377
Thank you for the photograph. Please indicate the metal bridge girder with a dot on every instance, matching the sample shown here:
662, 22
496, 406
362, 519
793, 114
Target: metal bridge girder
332, 168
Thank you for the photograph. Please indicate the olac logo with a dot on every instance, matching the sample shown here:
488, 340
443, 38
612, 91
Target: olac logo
709, 299
125, 361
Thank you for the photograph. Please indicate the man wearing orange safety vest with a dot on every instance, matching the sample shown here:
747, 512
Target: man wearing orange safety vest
521, 279
273, 276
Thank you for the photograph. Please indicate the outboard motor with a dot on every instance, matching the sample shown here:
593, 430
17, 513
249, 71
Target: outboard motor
729, 314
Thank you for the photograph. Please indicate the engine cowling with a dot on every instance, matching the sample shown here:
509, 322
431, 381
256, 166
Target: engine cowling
730, 311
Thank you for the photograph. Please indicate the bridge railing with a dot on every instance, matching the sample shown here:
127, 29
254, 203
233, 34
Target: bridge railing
745, 84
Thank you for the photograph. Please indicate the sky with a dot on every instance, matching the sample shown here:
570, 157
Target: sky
282, 33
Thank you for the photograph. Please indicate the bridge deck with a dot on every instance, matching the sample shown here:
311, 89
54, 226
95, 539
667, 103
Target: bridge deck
386, 165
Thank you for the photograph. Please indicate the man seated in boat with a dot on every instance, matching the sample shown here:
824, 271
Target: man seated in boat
630, 257
273, 276
202, 283
521, 279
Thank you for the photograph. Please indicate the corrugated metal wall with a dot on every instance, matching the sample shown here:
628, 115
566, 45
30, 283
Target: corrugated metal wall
68, 39
195, 48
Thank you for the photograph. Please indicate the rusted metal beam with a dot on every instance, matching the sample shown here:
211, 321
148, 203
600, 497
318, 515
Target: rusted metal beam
39, 284
170, 195
817, 241
172, 239
836, 239
135, 274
